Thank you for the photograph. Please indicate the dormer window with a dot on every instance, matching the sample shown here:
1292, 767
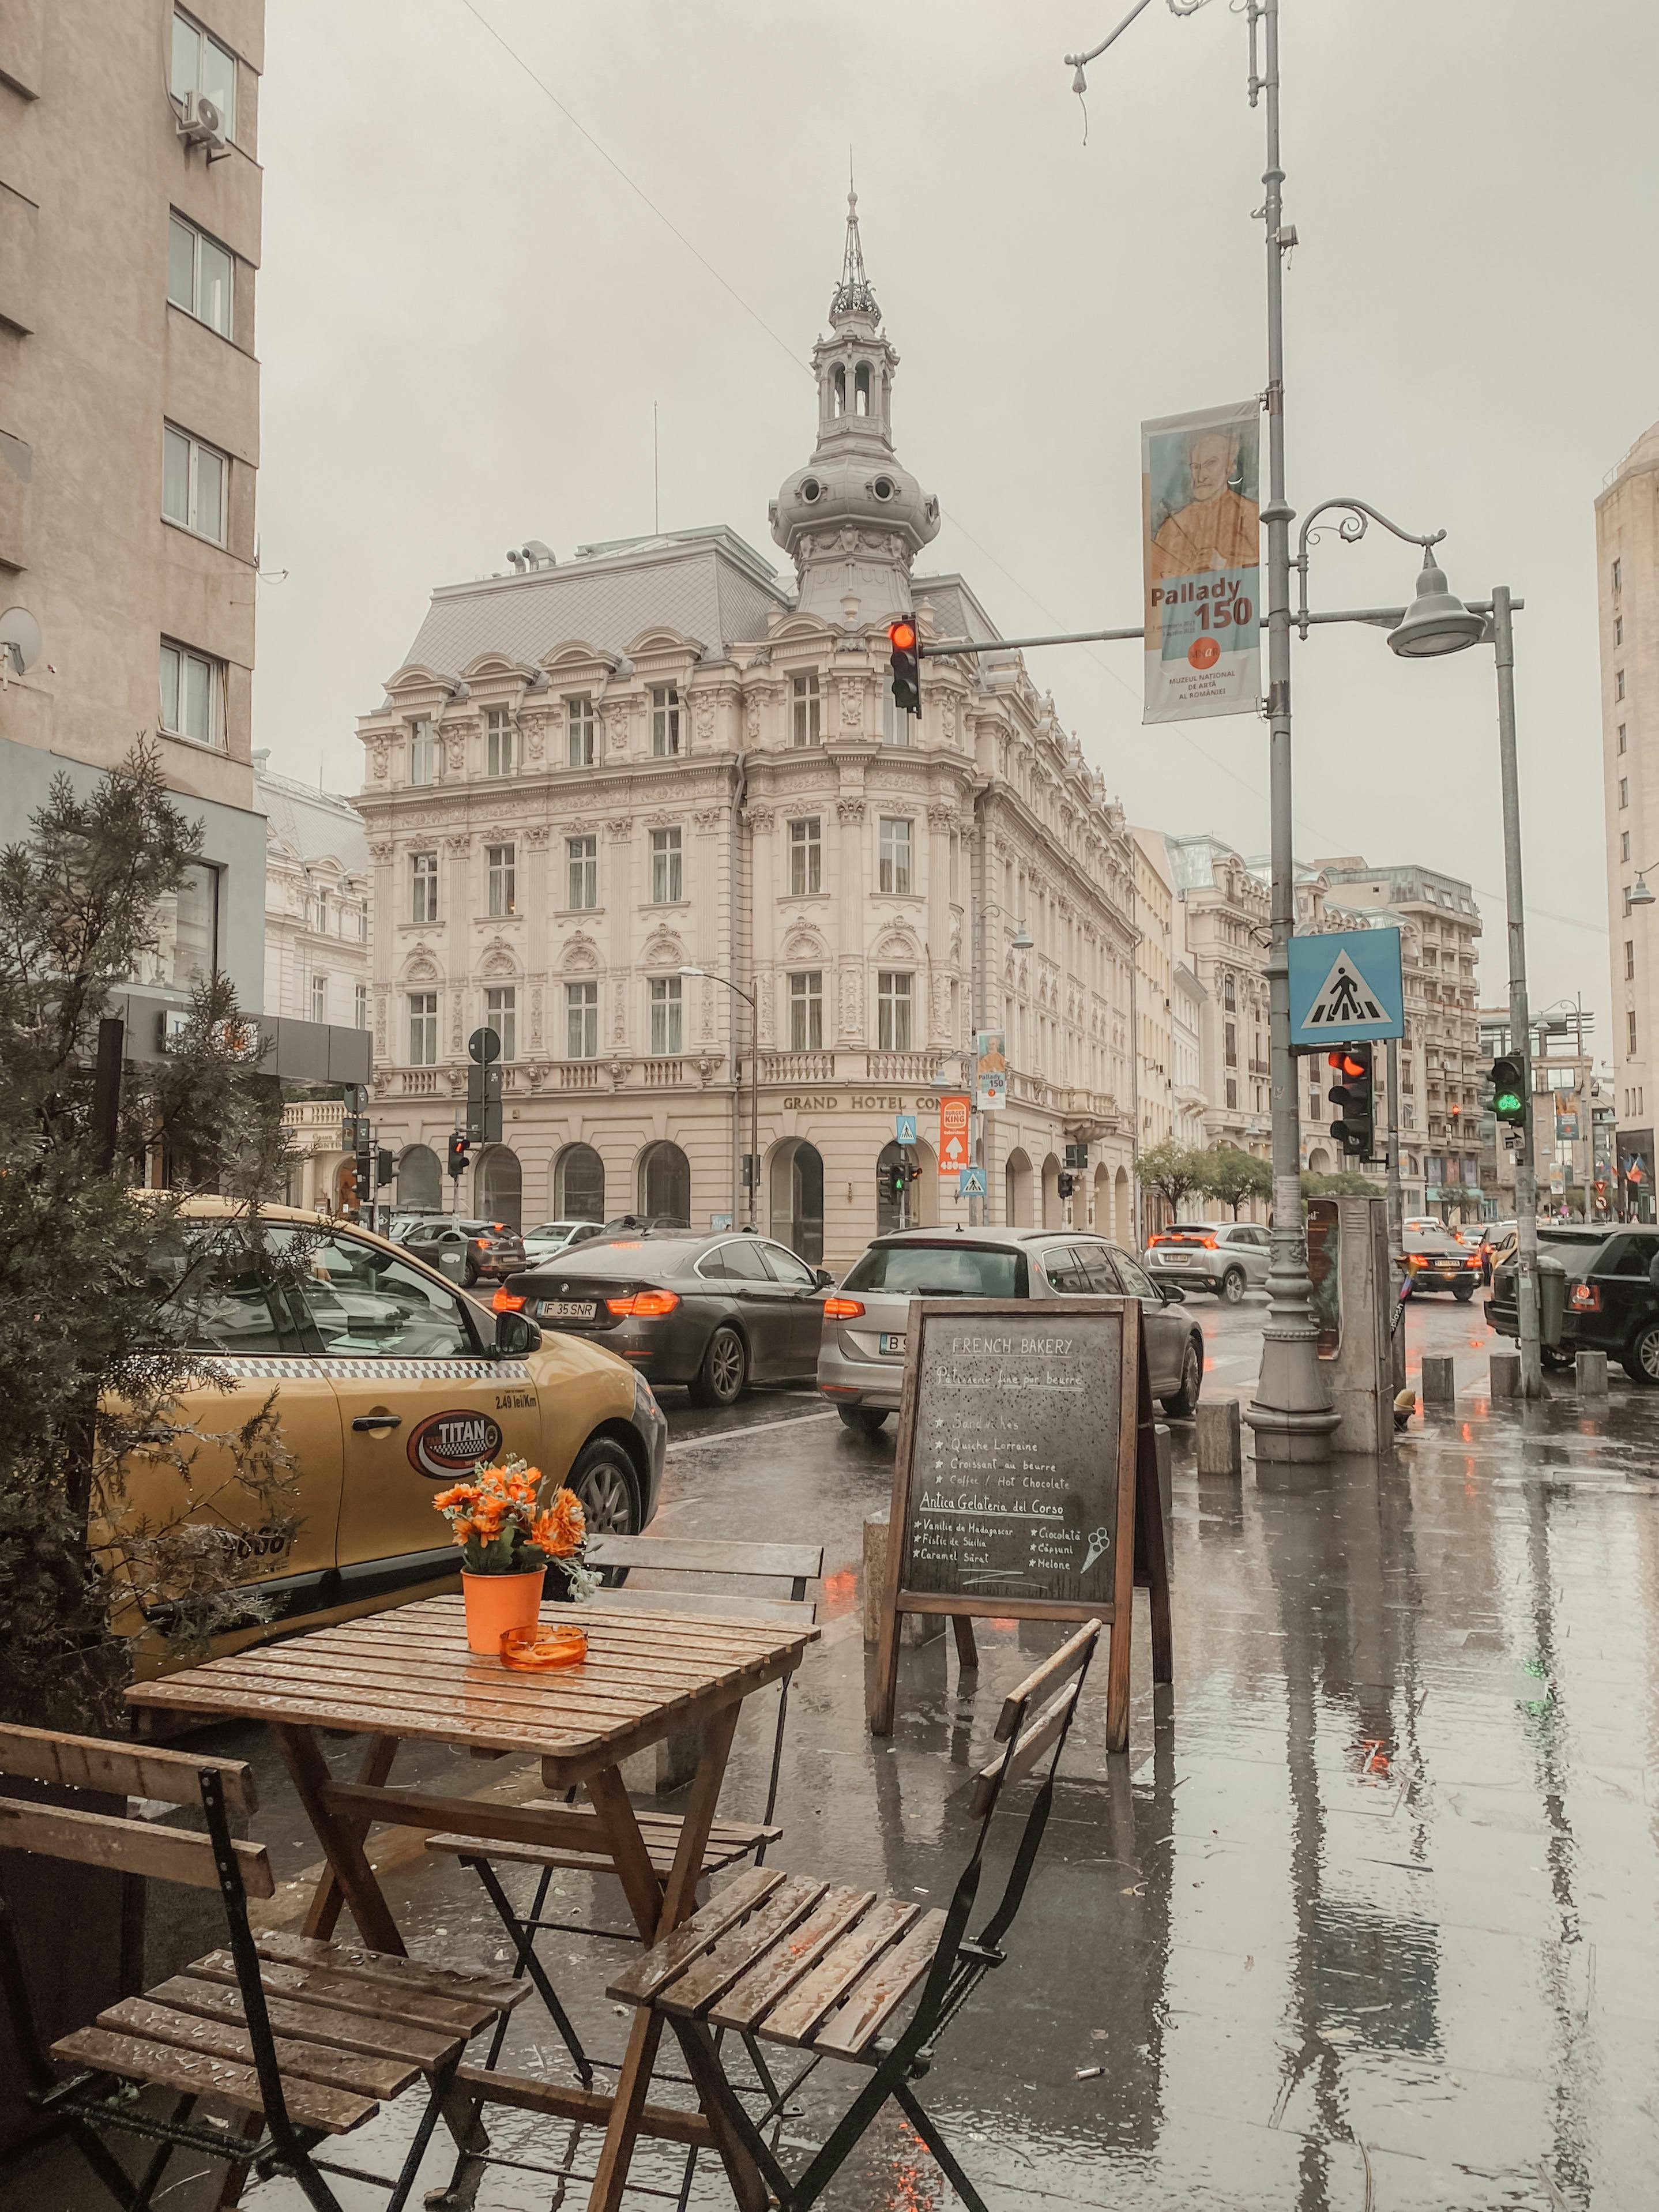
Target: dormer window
811, 489
861, 390
838, 392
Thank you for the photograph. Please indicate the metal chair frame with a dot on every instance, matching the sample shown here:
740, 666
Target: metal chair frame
84, 2103
960, 1964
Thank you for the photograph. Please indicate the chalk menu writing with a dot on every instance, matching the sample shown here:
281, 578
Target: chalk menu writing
1014, 1458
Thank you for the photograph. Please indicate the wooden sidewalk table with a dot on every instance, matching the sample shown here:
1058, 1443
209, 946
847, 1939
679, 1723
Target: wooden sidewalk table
408, 1675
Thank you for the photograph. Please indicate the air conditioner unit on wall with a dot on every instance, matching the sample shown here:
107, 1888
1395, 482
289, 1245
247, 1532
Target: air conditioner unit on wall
202, 122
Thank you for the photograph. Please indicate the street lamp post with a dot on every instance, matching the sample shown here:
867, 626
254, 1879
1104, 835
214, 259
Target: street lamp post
978, 1210
751, 1001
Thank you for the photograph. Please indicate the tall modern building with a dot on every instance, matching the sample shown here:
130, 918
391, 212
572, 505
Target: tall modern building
601, 790
129, 212
1628, 599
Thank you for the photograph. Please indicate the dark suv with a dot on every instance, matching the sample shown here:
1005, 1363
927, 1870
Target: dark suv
1611, 1305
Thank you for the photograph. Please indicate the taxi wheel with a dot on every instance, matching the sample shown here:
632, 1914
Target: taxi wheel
719, 1381
604, 1481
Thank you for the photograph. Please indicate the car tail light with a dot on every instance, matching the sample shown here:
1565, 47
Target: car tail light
1208, 1242
506, 1301
842, 1309
1586, 1298
643, 1306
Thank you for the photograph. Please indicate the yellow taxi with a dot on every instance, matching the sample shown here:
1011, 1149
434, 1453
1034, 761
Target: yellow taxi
389, 1385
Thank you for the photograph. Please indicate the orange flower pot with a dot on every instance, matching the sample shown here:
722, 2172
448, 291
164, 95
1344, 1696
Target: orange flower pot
495, 1603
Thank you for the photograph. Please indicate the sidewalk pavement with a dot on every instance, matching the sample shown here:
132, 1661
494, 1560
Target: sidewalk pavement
1366, 1923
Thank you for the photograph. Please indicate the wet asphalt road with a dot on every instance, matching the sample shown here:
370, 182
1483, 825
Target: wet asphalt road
1365, 1922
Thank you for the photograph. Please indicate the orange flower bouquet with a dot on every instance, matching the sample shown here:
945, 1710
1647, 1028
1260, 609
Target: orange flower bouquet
503, 1527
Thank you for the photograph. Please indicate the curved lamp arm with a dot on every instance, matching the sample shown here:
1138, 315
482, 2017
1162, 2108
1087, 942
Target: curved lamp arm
1356, 518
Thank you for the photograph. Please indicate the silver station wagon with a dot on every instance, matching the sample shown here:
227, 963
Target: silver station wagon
865, 1321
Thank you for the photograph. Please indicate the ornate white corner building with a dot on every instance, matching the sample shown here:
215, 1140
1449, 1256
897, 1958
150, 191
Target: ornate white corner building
591, 776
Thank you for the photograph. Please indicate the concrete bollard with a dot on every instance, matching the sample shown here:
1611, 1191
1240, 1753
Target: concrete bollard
1506, 1375
915, 1627
1592, 1374
1220, 1439
1439, 1380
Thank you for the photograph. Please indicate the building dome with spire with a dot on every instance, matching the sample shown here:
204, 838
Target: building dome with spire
853, 519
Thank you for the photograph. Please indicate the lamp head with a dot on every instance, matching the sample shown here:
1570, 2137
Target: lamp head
692, 971
1022, 939
1437, 622
1640, 896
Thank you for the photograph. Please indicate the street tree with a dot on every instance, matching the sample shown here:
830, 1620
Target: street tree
94, 1360
1176, 1172
1346, 1182
1231, 1176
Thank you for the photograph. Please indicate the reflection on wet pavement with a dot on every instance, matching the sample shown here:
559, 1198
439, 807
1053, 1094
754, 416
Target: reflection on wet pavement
1364, 1922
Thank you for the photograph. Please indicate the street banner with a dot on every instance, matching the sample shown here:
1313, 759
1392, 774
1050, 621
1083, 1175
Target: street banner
953, 1133
990, 1071
1201, 551
1346, 987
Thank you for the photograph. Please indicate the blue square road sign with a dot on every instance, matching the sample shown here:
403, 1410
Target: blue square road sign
1346, 987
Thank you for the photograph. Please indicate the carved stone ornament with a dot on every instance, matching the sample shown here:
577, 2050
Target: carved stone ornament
663, 949
455, 1022
620, 827
581, 954
535, 1026
710, 817
849, 810
620, 1070
764, 994
381, 854
803, 945
616, 725
706, 720
420, 967
942, 815
852, 703
759, 819
534, 728
852, 1003
536, 838
708, 1067
379, 749
455, 749
498, 960
458, 845
752, 721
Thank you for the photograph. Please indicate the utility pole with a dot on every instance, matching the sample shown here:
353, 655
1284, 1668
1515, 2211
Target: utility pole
1526, 1183
1397, 1208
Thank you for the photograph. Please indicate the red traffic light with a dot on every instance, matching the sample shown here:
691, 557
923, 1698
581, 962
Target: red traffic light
902, 636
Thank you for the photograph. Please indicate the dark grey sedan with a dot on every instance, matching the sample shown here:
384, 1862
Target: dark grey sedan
716, 1313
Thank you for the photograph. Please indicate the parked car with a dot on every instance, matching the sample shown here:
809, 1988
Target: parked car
387, 1384
715, 1313
473, 1249
865, 1322
1227, 1257
1435, 1260
553, 1236
1610, 1304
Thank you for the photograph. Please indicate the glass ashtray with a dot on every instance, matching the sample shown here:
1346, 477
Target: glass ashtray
535, 1649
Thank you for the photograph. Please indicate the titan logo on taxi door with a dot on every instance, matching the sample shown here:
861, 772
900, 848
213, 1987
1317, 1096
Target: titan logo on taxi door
448, 1444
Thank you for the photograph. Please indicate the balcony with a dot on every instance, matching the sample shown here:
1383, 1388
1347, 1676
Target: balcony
313, 1125
418, 1083
575, 1074
798, 1067
901, 1067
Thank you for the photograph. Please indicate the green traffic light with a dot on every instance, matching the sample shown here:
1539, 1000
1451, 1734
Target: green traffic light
1506, 1103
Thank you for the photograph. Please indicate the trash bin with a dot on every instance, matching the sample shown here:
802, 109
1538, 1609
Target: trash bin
452, 1262
1551, 1297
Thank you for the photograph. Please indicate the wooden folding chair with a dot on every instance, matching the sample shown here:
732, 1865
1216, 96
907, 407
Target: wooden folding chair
730, 1842
823, 1968
303, 2040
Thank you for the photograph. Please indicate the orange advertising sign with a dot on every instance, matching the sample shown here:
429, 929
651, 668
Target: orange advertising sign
953, 1154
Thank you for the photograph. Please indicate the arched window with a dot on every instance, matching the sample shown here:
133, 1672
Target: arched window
838, 392
861, 389
1018, 1177
666, 1184
798, 1199
499, 1189
579, 1184
420, 1186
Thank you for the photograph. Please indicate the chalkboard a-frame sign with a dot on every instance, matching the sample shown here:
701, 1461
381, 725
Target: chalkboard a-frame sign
1026, 1480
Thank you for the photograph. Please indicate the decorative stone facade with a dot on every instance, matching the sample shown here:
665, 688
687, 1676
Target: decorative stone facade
592, 777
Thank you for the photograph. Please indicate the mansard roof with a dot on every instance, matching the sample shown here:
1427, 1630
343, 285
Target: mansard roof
705, 584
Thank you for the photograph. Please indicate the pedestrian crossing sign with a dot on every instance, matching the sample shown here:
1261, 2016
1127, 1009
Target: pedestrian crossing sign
1346, 987
970, 1182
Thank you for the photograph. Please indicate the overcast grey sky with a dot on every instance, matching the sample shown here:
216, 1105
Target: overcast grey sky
466, 315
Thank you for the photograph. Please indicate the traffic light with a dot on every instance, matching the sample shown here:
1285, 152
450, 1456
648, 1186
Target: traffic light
907, 665
1067, 1182
1354, 1095
896, 1178
458, 1151
385, 1168
1508, 1088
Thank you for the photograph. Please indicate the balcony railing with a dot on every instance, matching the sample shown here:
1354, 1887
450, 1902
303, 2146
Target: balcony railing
901, 1067
798, 1067
663, 1074
419, 1082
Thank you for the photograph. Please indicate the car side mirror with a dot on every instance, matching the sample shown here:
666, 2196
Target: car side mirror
824, 1278
1172, 1293
515, 1334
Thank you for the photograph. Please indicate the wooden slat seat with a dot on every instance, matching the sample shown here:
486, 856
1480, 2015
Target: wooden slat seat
351, 2027
713, 1605
728, 1842
818, 1966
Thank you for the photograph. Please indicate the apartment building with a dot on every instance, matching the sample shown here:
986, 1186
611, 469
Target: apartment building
129, 216
1627, 604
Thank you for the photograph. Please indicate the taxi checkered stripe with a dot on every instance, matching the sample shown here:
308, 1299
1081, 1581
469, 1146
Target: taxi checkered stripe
278, 1370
